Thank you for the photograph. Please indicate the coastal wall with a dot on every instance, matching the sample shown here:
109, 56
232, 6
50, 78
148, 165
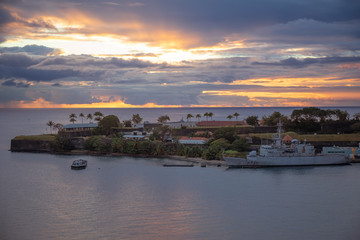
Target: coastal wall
31, 146
24, 145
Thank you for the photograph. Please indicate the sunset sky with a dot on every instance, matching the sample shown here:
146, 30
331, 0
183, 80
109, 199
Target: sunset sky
179, 53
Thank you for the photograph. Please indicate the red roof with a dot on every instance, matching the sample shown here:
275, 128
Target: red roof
287, 138
219, 123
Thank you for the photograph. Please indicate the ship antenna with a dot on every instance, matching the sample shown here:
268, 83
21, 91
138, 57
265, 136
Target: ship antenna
278, 139
279, 128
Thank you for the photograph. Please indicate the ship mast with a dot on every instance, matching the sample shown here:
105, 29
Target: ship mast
278, 137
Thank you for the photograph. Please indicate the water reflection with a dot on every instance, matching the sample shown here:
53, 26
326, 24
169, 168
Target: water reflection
126, 198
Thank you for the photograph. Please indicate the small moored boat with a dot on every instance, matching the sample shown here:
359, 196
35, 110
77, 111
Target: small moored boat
79, 164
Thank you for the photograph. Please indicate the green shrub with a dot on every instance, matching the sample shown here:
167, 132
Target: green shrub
62, 143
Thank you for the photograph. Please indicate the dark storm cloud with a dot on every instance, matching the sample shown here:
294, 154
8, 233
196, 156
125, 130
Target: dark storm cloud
293, 62
13, 83
39, 75
5, 16
83, 67
211, 19
19, 66
169, 94
87, 60
234, 15
131, 81
339, 35
31, 49
19, 60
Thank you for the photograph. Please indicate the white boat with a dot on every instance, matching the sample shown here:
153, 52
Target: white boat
281, 155
79, 164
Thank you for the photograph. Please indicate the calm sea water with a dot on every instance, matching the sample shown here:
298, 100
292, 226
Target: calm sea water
135, 198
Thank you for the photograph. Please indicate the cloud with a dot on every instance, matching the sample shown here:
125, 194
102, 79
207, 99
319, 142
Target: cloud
251, 53
18, 66
296, 63
18, 60
309, 31
13, 83
13, 25
188, 23
32, 50
73, 68
87, 60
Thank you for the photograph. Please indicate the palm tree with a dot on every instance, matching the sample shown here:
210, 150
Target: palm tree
98, 116
189, 116
206, 115
72, 117
211, 115
229, 117
58, 126
82, 117
198, 116
51, 125
356, 116
236, 115
89, 116
136, 118
163, 119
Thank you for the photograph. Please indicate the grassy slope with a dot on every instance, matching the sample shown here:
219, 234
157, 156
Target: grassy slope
311, 137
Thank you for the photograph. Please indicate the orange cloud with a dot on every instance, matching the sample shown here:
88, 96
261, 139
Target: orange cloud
41, 103
298, 82
290, 99
79, 25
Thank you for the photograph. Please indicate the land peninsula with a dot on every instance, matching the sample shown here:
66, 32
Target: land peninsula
195, 141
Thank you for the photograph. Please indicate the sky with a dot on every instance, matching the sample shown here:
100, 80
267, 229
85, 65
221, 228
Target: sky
179, 53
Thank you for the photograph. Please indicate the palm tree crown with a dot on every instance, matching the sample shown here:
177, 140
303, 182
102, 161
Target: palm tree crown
89, 116
211, 115
189, 116
82, 117
72, 117
236, 115
51, 125
58, 126
206, 115
198, 116
98, 116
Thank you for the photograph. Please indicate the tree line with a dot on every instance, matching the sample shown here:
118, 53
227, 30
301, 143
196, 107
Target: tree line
313, 120
223, 140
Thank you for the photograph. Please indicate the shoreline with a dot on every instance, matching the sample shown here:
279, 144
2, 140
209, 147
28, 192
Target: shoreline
197, 161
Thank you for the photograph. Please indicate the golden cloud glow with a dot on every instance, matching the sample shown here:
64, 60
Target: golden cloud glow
282, 95
41, 103
79, 32
297, 82
291, 99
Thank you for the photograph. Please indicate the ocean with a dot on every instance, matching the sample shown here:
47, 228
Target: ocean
137, 198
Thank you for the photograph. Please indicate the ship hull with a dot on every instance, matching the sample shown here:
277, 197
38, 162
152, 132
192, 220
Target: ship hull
285, 161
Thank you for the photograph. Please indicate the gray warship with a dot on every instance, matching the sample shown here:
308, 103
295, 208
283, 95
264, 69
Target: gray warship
278, 154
